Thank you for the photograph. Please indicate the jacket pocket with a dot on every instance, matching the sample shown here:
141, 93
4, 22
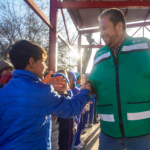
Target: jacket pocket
105, 112
107, 118
138, 118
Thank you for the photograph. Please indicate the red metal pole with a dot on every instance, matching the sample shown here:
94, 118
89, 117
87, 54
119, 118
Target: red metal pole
80, 56
53, 37
147, 15
65, 25
90, 39
75, 39
125, 14
102, 4
38, 11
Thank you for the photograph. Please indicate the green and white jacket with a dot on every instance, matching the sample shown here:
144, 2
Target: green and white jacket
123, 88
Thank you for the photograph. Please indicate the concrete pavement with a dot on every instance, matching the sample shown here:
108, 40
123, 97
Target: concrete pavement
91, 138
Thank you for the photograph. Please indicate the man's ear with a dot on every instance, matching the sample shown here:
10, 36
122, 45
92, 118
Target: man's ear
31, 62
120, 26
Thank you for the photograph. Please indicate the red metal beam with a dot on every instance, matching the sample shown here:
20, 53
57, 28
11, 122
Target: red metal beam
75, 39
79, 17
53, 37
125, 14
80, 56
90, 39
73, 19
102, 4
147, 15
128, 26
92, 46
65, 25
89, 31
37, 10
65, 41
136, 31
138, 24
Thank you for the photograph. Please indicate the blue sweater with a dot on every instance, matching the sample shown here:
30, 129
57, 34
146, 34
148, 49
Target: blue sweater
26, 106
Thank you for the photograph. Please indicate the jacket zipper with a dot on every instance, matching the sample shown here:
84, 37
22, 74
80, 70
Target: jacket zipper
118, 96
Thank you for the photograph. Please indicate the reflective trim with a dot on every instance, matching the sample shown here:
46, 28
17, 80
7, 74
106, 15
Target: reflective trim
135, 47
102, 57
138, 116
109, 118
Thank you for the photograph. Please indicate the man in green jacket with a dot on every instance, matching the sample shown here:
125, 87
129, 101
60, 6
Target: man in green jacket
121, 78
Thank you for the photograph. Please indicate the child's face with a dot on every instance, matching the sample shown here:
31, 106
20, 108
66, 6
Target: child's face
81, 80
39, 68
63, 89
8, 70
71, 81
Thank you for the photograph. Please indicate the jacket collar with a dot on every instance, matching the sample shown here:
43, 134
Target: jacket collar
25, 74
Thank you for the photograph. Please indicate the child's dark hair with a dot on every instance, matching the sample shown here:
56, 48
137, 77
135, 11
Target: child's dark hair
22, 50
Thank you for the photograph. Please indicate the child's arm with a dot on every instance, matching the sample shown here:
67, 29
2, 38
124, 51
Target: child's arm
59, 106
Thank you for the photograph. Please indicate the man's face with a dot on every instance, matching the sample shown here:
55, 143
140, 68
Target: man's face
63, 89
107, 30
40, 68
8, 70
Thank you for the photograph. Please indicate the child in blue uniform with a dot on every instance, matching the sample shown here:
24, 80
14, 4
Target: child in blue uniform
65, 126
27, 103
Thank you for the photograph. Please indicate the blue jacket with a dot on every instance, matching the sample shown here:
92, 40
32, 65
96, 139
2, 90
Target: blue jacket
26, 106
75, 90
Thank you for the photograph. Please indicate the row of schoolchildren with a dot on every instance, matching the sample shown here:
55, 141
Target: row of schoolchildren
65, 132
27, 101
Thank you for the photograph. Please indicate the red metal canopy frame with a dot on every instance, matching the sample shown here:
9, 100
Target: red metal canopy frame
53, 21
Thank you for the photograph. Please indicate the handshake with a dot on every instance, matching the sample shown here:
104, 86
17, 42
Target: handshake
88, 85
59, 81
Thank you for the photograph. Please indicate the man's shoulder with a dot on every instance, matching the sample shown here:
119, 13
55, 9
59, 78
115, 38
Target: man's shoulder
101, 51
136, 40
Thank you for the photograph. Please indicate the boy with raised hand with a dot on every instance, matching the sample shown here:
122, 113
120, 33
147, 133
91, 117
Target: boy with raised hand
27, 103
65, 126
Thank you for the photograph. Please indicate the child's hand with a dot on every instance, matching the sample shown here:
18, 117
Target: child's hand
90, 102
75, 131
86, 85
55, 81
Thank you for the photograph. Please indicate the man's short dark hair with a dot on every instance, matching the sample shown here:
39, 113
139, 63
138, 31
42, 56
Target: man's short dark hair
21, 51
116, 16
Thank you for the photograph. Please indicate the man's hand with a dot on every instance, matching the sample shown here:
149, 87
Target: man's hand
55, 81
86, 85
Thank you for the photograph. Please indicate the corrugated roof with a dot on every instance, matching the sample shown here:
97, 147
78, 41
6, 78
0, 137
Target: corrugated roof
89, 17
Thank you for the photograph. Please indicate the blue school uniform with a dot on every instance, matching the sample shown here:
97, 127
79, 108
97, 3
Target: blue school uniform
26, 108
